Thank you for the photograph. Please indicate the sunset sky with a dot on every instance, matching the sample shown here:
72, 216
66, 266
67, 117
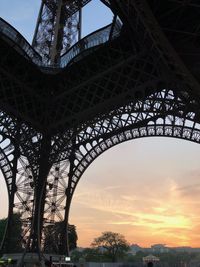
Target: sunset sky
147, 189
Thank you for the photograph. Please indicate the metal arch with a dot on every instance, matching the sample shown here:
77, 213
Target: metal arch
19, 42
91, 41
7, 166
161, 114
160, 130
60, 203
178, 121
137, 119
160, 103
63, 142
6, 170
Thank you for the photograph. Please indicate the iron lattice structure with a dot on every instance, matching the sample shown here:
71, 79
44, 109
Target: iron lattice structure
137, 77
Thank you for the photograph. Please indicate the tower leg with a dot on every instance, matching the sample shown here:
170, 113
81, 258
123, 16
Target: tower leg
40, 192
11, 242
68, 202
65, 234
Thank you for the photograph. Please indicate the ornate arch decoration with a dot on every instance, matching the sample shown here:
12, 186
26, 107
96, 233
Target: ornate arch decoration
127, 124
160, 130
161, 114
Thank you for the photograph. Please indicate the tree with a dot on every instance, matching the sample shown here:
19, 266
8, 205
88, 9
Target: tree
13, 240
3, 223
93, 255
76, 255
73, 237
88, 254
53, 237
112, 244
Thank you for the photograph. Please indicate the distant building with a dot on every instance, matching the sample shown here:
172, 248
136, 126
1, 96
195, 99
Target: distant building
79, 249
150, 259
134, 248
159, 248
186, 249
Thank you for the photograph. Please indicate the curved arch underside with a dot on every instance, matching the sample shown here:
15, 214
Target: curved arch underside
56, 123
161, 114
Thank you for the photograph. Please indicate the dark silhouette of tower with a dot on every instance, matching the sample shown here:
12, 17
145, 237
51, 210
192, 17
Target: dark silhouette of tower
67, 99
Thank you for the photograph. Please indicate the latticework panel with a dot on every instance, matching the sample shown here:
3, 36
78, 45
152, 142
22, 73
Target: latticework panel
24, 198
162, 113
57, 28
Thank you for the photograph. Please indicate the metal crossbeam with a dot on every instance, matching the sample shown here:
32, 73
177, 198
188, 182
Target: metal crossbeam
58, 28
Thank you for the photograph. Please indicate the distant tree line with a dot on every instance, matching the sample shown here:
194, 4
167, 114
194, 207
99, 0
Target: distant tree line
170, 259
112, 247
108, 247
52, 242
53, 238
13, 240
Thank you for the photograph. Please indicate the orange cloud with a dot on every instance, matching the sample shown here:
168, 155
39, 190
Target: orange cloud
154, 203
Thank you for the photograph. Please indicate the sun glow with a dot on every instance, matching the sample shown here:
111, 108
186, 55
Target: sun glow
157, 203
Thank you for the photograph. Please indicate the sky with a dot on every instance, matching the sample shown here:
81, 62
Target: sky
146, 189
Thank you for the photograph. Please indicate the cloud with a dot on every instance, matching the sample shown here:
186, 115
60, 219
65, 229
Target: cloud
161, 216
190, 190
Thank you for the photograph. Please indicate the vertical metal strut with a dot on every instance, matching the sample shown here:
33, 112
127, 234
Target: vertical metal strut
40, 192
58, 28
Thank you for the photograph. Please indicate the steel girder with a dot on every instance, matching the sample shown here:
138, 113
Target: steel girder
58, 28
161, 114
148, 53
58, 121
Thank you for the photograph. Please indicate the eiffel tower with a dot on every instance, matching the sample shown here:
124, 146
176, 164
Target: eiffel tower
64, 100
